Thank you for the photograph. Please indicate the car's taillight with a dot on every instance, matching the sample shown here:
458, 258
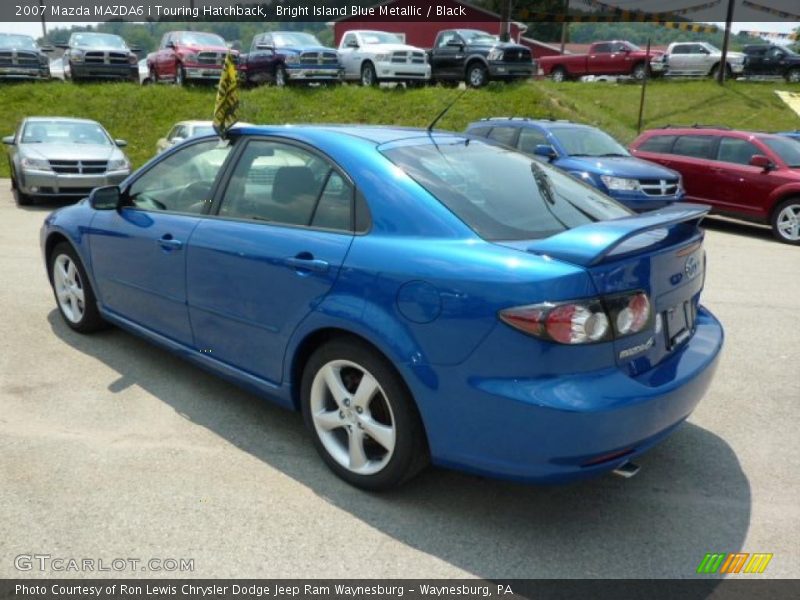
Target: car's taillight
568, 323
584, 321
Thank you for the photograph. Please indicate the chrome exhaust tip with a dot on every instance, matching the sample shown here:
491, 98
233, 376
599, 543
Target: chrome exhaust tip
627, 470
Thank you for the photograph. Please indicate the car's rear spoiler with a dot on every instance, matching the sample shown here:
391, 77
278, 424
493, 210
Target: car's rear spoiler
591, 244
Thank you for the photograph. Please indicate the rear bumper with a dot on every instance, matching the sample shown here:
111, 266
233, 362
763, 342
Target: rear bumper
547, 428
126, 71
47, 183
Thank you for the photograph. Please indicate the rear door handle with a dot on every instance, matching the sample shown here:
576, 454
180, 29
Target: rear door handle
305, 261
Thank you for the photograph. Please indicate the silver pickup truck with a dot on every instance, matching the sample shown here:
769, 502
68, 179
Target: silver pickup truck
695, 59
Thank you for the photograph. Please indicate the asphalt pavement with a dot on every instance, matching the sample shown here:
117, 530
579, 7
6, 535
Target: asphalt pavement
111, 448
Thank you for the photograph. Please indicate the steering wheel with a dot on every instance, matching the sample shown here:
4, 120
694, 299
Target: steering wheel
188, 198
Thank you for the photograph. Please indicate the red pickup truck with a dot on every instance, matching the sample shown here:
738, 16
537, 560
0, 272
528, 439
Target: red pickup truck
604, 58
188, 56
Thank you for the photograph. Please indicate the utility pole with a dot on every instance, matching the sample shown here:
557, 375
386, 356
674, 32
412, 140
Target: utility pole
565, 26
723, 61
644, 88
44, 27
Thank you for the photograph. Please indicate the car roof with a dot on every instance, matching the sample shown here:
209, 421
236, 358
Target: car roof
544, 123
63, 119
372, 133
709, 130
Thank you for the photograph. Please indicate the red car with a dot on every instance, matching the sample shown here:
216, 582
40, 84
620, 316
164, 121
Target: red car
188, 55
604, 58
742, 174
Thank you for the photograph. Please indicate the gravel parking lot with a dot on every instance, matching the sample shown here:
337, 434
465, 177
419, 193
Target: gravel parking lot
113, 448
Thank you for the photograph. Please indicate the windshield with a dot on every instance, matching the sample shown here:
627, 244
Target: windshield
379, 37
477, 37
294, 39
97, 40
534, 201
712, 49
583, 141
17, 42
64, 132
195, 38
787, 148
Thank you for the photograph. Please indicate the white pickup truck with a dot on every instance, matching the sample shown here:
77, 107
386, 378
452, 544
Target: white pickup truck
695, 59
375, 56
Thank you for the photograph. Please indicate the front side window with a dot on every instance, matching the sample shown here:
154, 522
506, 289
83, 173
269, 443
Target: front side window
734, 150
183, 181
287, 185
502, 194
787, 148
446, 38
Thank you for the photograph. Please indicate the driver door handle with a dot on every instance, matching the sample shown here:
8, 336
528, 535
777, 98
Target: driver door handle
167, 242
305, 261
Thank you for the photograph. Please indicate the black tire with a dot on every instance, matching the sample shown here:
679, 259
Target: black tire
19, 198
715, 71
477, 75
640, 71
180, 76
89, 320
153, 75
785, 221
391, 402
369, 78
280, 76
559, 74
793, 75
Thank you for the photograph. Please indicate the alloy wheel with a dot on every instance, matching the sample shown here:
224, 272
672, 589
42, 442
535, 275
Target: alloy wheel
787, 223
352, 417
69, 288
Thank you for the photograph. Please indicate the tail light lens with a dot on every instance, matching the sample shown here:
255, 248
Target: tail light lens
584, 321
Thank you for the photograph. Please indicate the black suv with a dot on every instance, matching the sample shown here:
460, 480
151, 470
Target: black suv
21, 58
477, 57
763, 59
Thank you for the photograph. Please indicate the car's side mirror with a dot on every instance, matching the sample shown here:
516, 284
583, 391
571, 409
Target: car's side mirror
171, 45
106, 198
121, 143
545, 150
762, 162
9, 140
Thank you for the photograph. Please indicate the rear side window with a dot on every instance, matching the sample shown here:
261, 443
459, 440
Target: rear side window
504, 135
500, 193
696, 146
658, 143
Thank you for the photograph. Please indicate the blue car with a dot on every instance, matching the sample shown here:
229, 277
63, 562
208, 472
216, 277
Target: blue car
795, 135
591, 155
382, 282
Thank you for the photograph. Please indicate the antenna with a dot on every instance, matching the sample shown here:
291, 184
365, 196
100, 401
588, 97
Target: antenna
444, 112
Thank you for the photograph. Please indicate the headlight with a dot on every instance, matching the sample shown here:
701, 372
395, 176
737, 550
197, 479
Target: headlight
190, 57
119, 164
384, 57
133, 59
38, 164
76, 55
620, 183
495, 54
292, 59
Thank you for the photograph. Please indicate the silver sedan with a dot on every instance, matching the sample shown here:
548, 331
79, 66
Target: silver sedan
61, 157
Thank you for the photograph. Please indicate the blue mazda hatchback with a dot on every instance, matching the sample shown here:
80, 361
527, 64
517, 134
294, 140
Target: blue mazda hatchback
419, 297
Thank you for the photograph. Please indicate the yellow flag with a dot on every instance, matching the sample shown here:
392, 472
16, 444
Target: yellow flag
227, 98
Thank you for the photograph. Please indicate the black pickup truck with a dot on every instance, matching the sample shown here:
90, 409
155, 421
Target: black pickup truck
21, 58
477, 57
771, 60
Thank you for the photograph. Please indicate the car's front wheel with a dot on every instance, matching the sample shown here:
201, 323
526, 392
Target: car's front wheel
280, 76
559, 74
363, 420
20, 198
786, 221
180, 75
74, 295
477, 75
793, 76
368, 75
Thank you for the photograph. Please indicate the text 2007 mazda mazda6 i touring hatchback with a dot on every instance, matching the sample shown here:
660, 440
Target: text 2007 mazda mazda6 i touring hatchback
418, 296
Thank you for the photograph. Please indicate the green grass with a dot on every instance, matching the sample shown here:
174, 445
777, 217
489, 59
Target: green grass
141, 115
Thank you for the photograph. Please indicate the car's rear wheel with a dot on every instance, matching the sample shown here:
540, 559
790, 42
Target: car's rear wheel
368, 75
477, 75
793, 76
363, 420
74, 295
559, 74
786, 221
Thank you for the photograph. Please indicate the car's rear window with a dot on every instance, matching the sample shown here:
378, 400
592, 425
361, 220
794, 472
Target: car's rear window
502, 194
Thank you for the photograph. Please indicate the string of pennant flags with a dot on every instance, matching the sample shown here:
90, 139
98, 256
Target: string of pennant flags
640, 15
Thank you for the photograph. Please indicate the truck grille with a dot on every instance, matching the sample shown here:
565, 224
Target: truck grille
18, 59
517, 55
319, 58
210, 58
79, 167
105, 58
659, 187
405, 58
